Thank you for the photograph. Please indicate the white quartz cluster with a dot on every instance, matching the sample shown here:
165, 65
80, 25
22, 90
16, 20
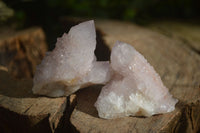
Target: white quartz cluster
72, 64
134, 89
132, 85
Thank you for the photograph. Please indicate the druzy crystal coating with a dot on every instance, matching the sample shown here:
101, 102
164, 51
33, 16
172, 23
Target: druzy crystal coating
72, 64
134, 89
132, 86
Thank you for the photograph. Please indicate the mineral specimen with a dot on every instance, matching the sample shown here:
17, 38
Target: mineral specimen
134, 89
72, 64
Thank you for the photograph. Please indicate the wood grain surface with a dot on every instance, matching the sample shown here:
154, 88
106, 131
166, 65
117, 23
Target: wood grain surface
177, 64
172, 48
21, 51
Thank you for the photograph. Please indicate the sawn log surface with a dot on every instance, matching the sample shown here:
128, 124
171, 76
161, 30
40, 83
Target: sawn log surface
174, 53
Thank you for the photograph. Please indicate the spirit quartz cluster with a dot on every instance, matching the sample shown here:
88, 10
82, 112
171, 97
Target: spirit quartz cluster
132, 87
72, 64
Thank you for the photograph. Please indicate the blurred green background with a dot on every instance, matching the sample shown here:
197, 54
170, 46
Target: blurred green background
42, 11
46, 13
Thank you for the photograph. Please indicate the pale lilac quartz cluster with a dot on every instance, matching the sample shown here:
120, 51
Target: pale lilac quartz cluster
132, 85
134, 89
72, 64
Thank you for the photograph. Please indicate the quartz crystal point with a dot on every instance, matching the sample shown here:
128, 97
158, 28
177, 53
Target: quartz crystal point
135, 88
72, 64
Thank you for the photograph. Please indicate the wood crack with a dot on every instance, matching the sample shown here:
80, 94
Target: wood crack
28, 109
188, 44
190, 117
175, 128
180, 65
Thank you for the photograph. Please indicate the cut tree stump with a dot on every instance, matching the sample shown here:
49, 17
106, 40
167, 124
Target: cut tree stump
21, 51
188, 33
21, 111
173, 55
177, 64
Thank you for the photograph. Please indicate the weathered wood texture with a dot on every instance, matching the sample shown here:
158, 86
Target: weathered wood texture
188, 33
21, 111
21, 51
174, 56
178, 66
